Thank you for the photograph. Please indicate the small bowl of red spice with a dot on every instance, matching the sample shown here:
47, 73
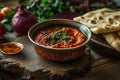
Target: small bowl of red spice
11, 47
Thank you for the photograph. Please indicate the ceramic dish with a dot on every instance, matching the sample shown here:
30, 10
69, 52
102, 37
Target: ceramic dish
59, 54
11, 48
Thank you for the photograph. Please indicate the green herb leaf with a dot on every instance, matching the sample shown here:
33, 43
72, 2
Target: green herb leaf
58, 35
65, 37
53, 42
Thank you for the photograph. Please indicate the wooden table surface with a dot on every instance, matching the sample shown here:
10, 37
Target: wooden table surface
103, 68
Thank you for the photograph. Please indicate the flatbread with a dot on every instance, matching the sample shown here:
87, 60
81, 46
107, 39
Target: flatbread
101, 21
113, 39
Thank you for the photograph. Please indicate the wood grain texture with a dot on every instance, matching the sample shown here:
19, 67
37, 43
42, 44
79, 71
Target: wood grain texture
103, 69
30, 63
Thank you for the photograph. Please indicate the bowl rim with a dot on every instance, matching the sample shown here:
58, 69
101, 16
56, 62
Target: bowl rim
70, 48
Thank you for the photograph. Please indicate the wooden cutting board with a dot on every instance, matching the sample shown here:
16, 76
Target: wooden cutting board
29, 63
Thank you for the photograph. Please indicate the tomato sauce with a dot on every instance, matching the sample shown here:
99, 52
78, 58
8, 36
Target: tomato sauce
60, 37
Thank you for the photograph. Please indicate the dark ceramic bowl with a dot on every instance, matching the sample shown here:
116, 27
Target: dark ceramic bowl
59, 54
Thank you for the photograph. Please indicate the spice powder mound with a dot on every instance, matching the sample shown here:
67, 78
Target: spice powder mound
10, 48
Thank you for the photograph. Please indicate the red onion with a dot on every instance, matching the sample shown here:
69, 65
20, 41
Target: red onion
23, 20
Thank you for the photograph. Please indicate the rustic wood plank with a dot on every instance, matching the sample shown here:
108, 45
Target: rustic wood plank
28, 61
107, 69
6, 75
102, 68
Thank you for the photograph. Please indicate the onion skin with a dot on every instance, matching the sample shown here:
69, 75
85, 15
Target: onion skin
23, 20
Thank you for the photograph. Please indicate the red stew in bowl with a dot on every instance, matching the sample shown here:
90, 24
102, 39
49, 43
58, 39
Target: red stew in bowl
60, 37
